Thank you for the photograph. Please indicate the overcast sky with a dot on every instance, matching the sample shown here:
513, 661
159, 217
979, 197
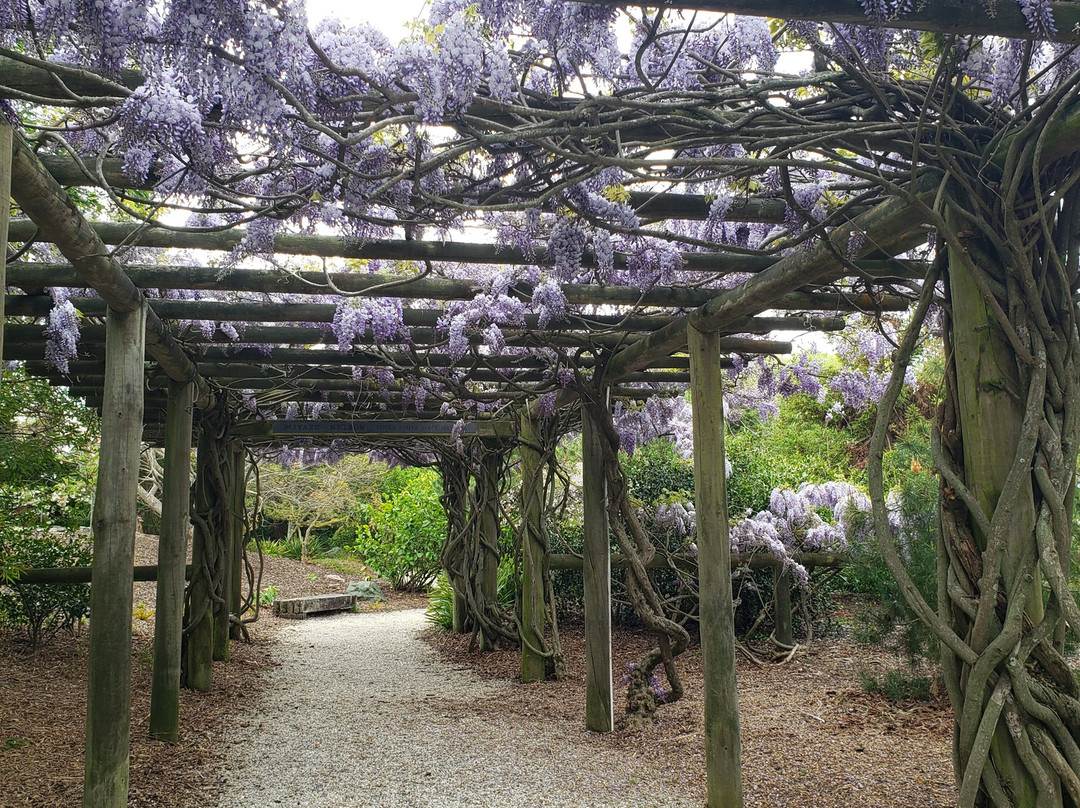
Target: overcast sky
389, 16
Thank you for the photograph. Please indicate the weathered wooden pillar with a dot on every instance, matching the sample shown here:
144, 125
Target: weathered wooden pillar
782, 629
533, 663
5, 210
722, 743
236, 520
488, 497
200, 614
596, 569
172, 555
108, 699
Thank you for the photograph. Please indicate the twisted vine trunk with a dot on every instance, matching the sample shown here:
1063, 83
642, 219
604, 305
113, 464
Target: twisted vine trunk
1005, 443
472, 480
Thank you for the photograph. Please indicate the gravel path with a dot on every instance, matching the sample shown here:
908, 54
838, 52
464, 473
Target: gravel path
361, 712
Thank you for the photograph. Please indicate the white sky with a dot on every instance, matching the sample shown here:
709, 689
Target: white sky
389, 16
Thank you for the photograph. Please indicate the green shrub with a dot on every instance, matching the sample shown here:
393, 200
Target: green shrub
793, 447
656, 469
440, 610
405, 536
41, 610
896, 685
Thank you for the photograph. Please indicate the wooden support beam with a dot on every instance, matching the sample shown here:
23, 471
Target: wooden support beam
761, 560
172, 553
722, 743
533, 663
228, 311
5, 211
599, 695
108, 700
60, 221
388, 427
82, 575
35, 275
656, 206
945, 16
893, 225
390, 250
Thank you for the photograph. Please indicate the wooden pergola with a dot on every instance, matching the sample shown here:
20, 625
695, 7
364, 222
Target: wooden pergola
148, 374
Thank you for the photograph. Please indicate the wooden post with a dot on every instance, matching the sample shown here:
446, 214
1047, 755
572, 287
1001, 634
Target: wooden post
5, 210
533, 664
782, 631
236, 518
200, 616
108, 699
488, 482
722, 744
599, 701
172, 555
991, 415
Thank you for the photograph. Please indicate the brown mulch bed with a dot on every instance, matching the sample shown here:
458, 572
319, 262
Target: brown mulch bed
810, 735
43, 695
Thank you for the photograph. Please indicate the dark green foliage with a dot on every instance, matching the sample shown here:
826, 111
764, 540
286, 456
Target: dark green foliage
440, 610
794, 447
886, 620
47, 454
292, 546
41, 610
568, 585
403, 540
898, 685
655, 470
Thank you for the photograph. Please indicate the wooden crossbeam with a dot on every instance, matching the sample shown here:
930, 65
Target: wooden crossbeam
32, 276
59, 221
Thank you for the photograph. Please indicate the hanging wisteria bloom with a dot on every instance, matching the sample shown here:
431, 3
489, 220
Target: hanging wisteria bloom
62, 332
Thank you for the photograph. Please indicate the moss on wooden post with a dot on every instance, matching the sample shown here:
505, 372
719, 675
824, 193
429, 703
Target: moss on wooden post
533, 662
172, 553
108, 701
722, 743
596, 570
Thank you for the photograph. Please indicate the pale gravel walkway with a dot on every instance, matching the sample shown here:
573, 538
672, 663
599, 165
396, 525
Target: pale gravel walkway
363, 714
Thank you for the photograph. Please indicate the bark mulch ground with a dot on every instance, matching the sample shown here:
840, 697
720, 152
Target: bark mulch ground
811, 735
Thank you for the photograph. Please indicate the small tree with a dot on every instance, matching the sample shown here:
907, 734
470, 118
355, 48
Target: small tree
309, 499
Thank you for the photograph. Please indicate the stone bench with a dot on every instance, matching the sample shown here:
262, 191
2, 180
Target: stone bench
299, 608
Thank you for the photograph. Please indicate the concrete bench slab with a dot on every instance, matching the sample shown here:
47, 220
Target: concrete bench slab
299, 608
